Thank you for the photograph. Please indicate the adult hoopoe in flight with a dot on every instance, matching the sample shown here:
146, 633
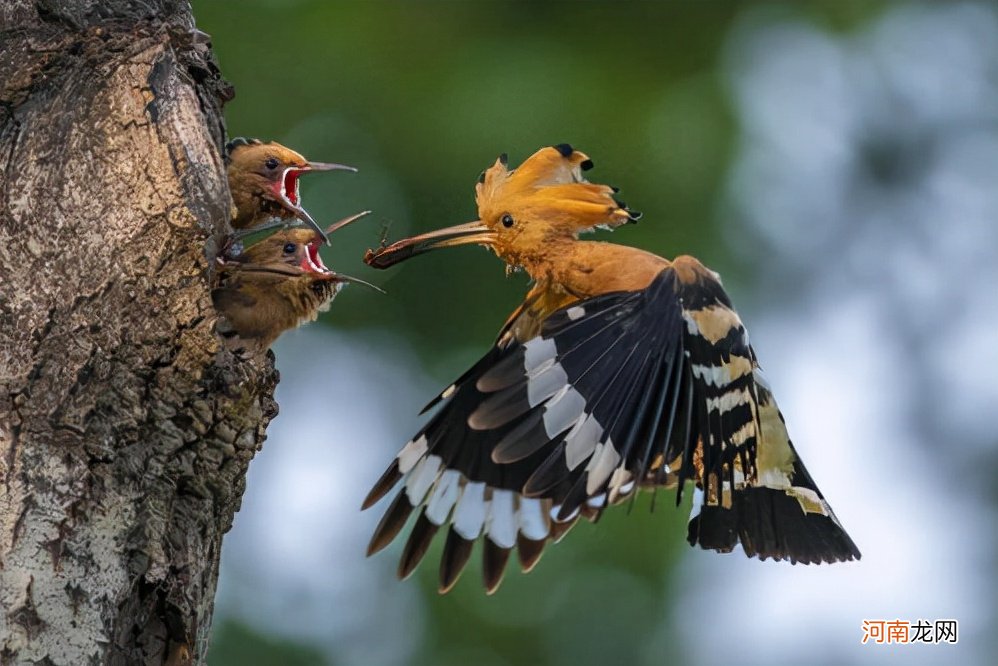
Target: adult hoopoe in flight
621, 370
263, 180
275, 284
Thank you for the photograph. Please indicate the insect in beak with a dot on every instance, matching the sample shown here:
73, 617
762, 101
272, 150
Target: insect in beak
462, 234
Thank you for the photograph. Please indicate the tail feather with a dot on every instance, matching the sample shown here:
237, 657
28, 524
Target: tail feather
774, 523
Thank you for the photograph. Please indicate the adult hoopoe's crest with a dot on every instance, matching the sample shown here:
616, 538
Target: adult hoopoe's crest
621, 370
275, 284
263, 180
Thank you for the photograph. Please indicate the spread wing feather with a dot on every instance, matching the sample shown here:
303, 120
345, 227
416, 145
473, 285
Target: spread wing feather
657, 387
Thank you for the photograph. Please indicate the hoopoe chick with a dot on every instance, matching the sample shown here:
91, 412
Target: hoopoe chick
620, 371
263, 180
274, 285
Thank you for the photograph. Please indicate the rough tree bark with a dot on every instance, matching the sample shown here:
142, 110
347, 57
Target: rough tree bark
125, 431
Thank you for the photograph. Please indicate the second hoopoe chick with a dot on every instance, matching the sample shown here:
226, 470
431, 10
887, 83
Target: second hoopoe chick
620, 371
263, 180
276, 284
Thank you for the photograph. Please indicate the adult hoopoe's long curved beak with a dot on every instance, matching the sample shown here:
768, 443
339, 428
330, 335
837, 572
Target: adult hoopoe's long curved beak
462, 234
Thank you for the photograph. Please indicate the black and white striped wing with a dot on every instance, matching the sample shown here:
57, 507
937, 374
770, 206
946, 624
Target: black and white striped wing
617, 392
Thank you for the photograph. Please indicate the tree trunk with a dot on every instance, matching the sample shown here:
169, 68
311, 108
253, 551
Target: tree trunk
125, 430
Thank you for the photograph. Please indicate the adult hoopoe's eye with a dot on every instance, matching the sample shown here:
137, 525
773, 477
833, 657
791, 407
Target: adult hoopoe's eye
507, 220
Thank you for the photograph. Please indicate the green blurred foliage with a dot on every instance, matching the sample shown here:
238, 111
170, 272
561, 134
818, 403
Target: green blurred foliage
421, 96
235, 643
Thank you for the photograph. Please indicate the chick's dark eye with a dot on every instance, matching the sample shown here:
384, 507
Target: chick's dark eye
271, 163
507, 220
289, 248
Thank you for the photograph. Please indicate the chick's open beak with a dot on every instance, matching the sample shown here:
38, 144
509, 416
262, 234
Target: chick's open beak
311, 262
289, 193
339, 224
328, 166
303, 215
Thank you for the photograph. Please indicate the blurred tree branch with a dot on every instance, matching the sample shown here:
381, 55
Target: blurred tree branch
125, 433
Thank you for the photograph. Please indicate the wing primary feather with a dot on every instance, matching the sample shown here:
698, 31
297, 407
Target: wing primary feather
457, 550
584, 342
488, 360
494, 560
648, 385
559, 530
391, 523
529, 551
526, 438
686, 469
511, 370
613, 447
632, 414
506, 372
548, 474
572, 500
506, 378
578, 494
560, 322
627, 381
391, 476
499, 409
415, 548
657, 438
554, 470
675, 441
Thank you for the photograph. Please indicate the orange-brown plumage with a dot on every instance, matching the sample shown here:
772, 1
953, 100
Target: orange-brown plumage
620, 370
531, 217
